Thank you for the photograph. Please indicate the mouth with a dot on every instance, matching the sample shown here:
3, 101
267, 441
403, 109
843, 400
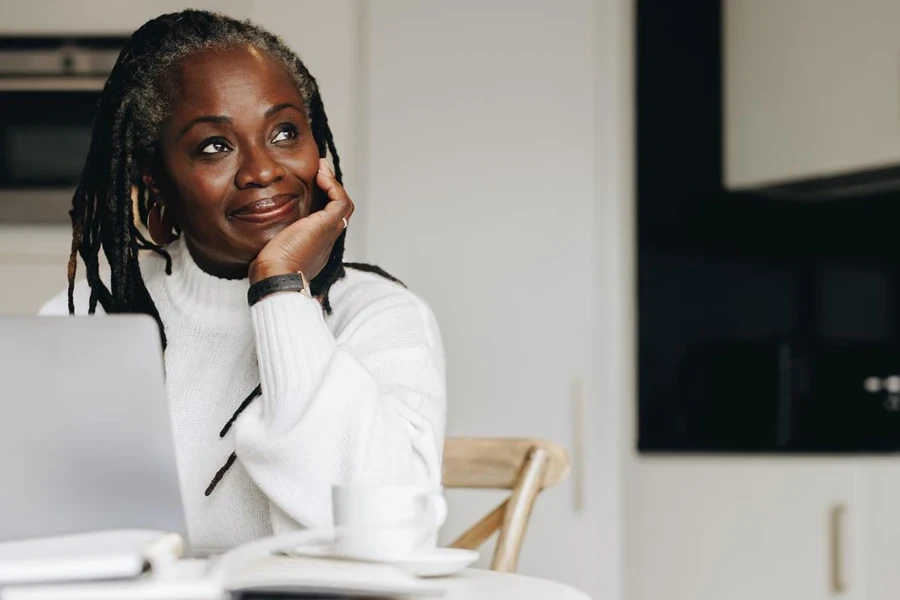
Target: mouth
267, 209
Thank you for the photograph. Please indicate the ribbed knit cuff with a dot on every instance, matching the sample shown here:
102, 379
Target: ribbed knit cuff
293, 346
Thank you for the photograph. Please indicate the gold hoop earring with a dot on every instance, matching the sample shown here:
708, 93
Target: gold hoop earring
160, 224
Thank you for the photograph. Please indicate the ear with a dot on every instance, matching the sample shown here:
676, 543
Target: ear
151, 183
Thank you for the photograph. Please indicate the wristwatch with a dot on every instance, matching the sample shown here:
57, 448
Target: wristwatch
288, 282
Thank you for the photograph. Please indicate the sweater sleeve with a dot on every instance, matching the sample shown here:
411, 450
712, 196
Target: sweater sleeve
367, 407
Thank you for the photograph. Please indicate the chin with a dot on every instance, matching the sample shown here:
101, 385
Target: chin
265, 235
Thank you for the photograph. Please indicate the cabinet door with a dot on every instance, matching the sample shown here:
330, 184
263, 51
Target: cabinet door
33, 262
737, 529
810, 89
881, 527
462, 206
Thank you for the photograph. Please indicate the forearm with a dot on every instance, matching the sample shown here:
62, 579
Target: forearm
325, 419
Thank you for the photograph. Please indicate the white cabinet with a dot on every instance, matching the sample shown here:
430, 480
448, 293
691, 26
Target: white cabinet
881, 527
33, 264
88, 17
736, 529
811, 88
480, 163
780, 527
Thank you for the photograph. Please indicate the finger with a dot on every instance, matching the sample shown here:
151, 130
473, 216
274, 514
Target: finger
328, 182
335, 212
339, 206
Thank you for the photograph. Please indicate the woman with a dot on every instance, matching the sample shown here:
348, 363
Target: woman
221, 132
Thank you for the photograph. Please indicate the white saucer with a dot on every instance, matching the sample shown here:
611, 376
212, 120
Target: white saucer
438, 562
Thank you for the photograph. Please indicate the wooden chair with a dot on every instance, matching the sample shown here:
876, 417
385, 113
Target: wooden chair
525, 466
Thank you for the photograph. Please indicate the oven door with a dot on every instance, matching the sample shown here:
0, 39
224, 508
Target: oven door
45, 133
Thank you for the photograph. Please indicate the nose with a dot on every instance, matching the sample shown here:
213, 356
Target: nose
258, 168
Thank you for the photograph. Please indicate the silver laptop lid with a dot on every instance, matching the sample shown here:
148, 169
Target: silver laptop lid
85, 437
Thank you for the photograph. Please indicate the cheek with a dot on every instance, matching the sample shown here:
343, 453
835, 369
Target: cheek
202, 190
305, 164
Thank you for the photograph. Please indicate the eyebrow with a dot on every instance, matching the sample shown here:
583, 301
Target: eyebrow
280, 107
223, 119
204, 119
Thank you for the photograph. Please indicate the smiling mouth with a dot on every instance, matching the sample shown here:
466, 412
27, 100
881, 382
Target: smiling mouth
267, 209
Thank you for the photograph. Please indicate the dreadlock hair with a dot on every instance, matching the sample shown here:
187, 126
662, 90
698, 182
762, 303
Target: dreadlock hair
134, 102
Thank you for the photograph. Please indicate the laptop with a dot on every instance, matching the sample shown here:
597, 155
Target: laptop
85, 434
87, 465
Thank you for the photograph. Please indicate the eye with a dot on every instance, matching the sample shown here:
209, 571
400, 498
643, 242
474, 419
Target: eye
285, 132
214, 146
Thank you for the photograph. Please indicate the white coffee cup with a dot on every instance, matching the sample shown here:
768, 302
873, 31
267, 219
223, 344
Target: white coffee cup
380, 522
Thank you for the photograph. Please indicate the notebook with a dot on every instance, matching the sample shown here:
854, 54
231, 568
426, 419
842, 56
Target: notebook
116, 554
255, 567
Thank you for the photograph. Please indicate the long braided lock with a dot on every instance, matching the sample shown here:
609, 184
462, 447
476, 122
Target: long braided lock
134, 102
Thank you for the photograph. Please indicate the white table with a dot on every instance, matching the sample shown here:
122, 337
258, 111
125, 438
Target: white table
253, 566
477, 584
471, 584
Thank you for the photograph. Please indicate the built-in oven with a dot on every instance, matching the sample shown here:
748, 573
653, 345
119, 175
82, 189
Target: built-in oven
49, 88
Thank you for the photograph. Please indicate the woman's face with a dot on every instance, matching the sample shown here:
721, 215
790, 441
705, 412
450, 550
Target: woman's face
238, 157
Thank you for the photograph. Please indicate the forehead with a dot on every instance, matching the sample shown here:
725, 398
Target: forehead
230, 81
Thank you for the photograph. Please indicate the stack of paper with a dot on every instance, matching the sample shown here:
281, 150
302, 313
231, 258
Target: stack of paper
141, 565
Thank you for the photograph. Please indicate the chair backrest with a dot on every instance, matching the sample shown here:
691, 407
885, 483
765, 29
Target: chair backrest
525, 466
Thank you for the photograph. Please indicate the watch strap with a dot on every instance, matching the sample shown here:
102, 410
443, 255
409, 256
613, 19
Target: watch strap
288, 282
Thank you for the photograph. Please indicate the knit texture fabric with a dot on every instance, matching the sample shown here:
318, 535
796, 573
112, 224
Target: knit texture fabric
358, 396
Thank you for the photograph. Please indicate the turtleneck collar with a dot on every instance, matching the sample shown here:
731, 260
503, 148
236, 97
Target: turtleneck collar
202, 296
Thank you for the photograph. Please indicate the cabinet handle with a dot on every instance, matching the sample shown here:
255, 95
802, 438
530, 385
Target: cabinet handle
838, 584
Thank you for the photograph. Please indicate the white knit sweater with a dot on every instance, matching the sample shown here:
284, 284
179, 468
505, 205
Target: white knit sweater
356, 396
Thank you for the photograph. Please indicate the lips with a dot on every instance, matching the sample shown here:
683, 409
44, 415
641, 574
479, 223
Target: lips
267, 209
